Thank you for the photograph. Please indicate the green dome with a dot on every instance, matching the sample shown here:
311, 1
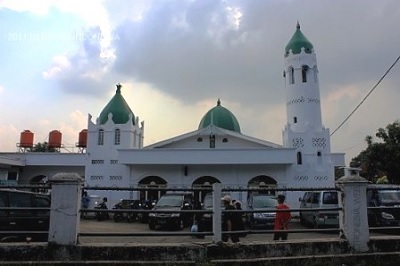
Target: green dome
220, 117
119, 109
297, 42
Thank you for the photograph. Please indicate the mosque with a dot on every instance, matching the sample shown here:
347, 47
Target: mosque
113, 154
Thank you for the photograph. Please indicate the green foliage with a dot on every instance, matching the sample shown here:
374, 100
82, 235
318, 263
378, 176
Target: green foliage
382, 157
43, 147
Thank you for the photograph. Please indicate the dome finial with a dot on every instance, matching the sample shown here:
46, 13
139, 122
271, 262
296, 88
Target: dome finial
219, 102
298, 25
119, 86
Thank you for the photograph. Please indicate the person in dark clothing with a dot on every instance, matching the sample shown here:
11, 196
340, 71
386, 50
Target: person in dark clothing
229, 221
239, 220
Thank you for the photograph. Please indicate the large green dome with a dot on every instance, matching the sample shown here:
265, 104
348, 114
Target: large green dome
119, 109
220, 117
297, 42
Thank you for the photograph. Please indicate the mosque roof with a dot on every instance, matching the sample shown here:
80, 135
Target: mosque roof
220, 117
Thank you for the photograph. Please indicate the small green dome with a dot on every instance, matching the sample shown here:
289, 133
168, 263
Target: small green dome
119, 109
220, 117
297, 42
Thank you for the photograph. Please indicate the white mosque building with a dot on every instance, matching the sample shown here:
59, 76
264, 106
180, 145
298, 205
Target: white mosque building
216, 151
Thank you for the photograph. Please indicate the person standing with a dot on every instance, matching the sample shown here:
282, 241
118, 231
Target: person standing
228, 221
85, 203
282, 219
239, 219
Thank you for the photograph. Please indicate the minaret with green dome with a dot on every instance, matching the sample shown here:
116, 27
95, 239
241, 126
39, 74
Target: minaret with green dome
304, 130
300, 74
115, 128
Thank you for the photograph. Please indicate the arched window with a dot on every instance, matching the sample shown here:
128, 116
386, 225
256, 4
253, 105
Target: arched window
291, 75
299, 158
319, 157
212, 141
304, 70
117, 137
100, 137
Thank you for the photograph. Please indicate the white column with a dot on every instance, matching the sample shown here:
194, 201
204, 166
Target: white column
353, 220
65, 204
217, 229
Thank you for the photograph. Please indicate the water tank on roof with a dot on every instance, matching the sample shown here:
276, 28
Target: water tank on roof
26, 139
82, 142
55, 139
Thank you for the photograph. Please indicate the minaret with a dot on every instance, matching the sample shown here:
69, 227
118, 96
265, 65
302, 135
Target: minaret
301, 79
304, 130
116, 128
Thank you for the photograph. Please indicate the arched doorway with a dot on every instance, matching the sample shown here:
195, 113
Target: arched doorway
151, 183
203, 185
264, 185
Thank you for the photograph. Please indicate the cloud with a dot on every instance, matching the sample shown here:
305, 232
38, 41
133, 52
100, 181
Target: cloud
83, 72
193, 49
39, 7
186, 54
60, 64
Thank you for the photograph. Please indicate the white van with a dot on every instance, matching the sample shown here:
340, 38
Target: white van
313, 200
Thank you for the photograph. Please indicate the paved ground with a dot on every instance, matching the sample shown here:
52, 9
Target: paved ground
109, 226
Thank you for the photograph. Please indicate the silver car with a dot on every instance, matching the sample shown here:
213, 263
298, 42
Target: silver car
314, 200
264, 215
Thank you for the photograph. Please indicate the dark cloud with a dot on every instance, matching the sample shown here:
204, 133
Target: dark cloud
193, 51
190, 50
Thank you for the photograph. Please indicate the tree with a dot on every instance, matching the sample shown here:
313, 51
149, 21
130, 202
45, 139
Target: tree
43, 147
382, 157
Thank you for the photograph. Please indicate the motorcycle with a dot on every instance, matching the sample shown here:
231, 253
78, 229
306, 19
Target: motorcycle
143, 217
129, 216
101, 216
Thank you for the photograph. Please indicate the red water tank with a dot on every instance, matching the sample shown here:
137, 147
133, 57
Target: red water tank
26, 140
55, 139
82, 142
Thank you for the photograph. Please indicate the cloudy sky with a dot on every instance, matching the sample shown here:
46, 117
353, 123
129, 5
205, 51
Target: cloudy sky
60, 61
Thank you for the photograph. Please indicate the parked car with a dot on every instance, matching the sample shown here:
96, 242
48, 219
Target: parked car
205, 221
12, 221
388, 201
311, 201
172, 202
261, 202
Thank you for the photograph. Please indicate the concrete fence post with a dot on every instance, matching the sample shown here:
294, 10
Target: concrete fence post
65, 204
353, 220
217, 229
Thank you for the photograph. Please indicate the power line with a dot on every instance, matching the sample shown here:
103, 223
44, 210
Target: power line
376, 85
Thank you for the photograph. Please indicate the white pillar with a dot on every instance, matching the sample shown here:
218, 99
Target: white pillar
65, 204
353, 220
217, 217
